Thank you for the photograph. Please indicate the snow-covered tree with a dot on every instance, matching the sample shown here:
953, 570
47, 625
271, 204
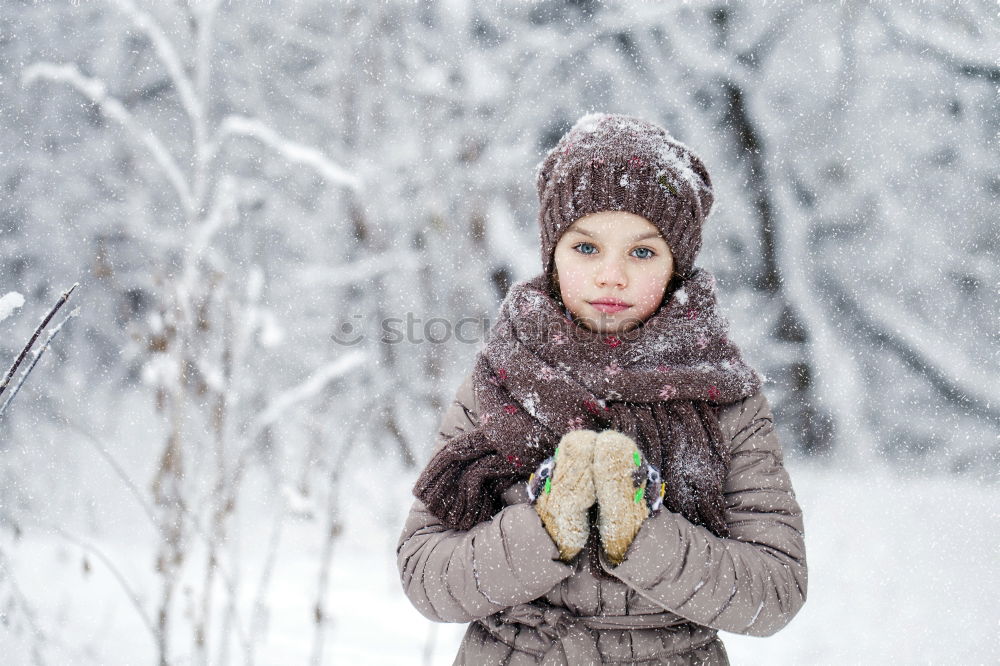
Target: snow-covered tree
256, 191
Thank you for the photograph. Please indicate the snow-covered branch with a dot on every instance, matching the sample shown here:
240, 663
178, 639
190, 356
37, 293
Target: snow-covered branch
288, 399
168, 56
307, 389
9, 302
201, 235
290, 150
37, 355
130, 593
12, 300
925, 348
842, 381
357, 271
96, 91
969, 63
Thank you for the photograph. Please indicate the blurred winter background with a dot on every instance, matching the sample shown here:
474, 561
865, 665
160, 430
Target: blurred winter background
211, 462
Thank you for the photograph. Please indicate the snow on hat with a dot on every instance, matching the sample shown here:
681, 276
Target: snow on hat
618, 162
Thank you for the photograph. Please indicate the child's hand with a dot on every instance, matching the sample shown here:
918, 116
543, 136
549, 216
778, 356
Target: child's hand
562, 491
628, 490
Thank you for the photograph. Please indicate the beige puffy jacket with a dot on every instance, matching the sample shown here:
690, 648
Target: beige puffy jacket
677, 587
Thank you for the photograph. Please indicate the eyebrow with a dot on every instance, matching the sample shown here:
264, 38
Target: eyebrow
653, 234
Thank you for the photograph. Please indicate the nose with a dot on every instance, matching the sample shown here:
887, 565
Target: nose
611, 272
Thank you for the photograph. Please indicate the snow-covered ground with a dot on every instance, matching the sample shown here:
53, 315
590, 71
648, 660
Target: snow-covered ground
902, 570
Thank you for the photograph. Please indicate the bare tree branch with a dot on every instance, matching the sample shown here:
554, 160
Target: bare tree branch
958, 380
963, 64
333, 529
837, 369
115, 572
38, 355
29, 613
167, 55
290, 150
13, 368
96, 91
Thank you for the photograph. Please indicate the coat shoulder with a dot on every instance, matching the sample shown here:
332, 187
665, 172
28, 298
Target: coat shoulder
461, 415
740, 421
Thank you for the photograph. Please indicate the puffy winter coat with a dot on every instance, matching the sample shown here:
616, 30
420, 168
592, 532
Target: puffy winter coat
677, 587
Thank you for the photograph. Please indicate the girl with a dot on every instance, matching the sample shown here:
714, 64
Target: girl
608, 486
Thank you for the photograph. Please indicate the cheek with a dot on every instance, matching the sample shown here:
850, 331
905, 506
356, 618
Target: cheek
569, 285
651, 291
571, 274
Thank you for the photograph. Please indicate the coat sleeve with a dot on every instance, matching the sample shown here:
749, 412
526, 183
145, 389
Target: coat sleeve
459, 576
752, 582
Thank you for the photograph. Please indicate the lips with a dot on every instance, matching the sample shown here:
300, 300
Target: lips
610, 305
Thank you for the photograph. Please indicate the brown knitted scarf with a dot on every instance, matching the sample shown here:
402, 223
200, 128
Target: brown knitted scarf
542, 375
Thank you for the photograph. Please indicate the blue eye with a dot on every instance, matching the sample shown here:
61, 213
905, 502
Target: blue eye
644, 249
579, 245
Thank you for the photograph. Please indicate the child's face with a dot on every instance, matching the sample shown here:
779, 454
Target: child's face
612, 255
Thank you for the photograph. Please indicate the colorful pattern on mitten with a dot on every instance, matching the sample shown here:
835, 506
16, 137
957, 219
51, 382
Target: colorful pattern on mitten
654, 490
541, 480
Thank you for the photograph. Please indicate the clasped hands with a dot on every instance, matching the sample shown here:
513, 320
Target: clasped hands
588, 467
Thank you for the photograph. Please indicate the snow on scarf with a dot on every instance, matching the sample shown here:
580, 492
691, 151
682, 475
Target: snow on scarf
542, 375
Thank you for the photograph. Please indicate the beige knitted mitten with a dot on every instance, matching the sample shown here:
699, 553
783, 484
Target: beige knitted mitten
563, 491
618, 466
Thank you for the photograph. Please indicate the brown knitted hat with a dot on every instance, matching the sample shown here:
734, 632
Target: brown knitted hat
618, 162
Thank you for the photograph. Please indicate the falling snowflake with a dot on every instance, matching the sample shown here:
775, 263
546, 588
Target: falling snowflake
575, 423
612, 369
702, 341
547, 373
668, 391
